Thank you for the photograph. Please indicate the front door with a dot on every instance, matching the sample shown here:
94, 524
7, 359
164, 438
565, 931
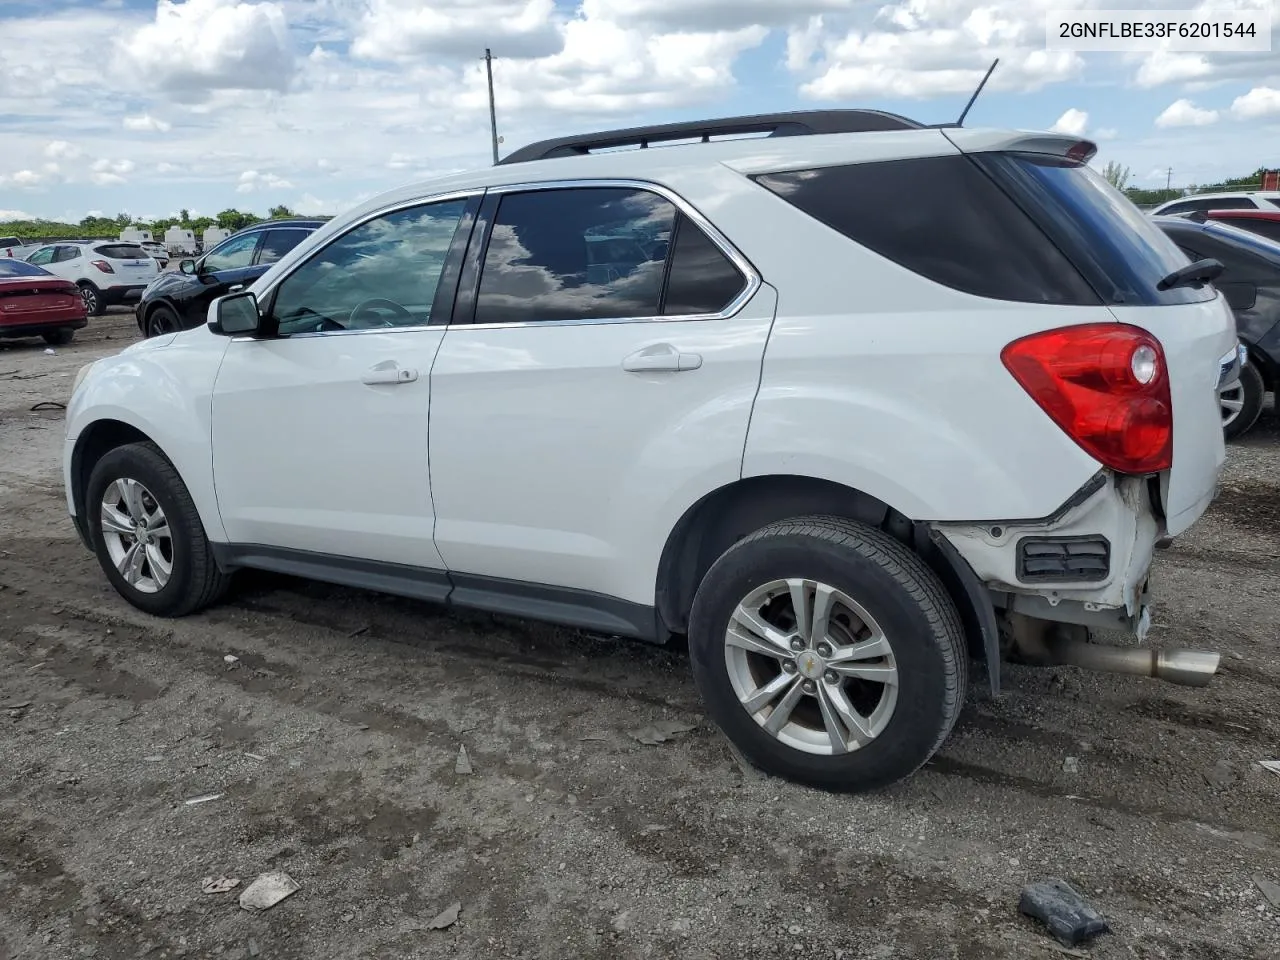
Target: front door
225, 266
320, 432
590, 388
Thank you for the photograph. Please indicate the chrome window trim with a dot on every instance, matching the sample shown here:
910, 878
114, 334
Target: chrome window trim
752, 279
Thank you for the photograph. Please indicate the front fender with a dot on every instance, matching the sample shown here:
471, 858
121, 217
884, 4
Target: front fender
163, 389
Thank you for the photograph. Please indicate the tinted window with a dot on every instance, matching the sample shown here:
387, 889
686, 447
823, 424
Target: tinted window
1122, 251
233, 254
383, 273
1274, 201
16, 268
575, 254
122, 251
64, 254
1268, 229
42, 256
278, 243
701, 279
943, 218
1257, 247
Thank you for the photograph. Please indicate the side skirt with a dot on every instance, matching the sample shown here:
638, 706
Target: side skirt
580, 609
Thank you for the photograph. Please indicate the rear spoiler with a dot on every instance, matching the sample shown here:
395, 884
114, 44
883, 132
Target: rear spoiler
1020, 141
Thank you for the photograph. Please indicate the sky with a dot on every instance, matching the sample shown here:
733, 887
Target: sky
151, 106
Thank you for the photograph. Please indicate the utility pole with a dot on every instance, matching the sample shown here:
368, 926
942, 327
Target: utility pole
1168, 179
493, 113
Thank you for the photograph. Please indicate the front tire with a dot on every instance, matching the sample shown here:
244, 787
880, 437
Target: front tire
147, 533
162, 320
1242, 404
828, 653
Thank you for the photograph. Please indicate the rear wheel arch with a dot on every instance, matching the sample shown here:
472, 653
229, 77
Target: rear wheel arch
726, 515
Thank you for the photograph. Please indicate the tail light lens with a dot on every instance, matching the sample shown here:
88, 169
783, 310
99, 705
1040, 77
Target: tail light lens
102, 265
1107, 386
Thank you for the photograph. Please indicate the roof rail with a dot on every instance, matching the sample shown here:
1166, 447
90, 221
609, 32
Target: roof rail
796, 123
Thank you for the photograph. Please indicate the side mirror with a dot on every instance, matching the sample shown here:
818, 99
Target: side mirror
188, 267
235, 315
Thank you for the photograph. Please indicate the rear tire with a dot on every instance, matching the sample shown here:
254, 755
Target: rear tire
1242, 406
903, 692
92, 299
59, 338
175, 573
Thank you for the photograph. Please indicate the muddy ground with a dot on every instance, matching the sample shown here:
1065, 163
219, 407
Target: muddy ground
332, 741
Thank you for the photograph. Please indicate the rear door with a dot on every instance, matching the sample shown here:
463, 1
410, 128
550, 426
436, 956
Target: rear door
590, 385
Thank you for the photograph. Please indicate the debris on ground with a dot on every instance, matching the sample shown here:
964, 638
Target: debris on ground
230, 658
446, 917
621, 922
17, 710
154, 758
50, 351
219, 884
464, 762
1056, 903
268, 890
1272, 765
1269, 890
1071, 765
358, 631
256, 756
254, 949
660, 731
204, 798
1221, 774
653, 828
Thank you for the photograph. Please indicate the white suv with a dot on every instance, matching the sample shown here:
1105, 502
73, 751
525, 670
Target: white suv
848, 406
108, 272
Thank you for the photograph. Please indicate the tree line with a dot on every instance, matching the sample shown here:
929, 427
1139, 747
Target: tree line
1118, 176
229, 219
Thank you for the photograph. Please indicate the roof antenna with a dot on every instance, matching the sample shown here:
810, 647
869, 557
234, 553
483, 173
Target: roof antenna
964, 113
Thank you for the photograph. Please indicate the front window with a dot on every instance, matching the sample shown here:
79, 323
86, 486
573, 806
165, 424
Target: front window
42, 256
383, 273
233, 254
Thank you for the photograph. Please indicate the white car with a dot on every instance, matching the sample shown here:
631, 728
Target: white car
1204, 202
736, 389
16, 248
156, 250
108, 272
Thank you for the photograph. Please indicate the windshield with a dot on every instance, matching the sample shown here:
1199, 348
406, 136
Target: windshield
19, 268
1113, 243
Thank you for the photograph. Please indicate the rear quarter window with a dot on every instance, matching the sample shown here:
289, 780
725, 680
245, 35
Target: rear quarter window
943, 218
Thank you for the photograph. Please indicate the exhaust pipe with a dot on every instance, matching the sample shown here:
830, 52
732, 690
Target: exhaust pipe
1189, 668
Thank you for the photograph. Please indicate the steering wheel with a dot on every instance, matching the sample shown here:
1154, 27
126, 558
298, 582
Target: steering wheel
378, 303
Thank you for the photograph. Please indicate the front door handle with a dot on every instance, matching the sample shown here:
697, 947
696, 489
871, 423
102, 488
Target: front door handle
388, 371
661, 358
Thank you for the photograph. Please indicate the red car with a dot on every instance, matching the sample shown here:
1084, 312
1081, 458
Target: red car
35, 303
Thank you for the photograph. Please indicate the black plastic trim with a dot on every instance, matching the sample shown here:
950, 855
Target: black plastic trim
983, 608
464, 304
567, 607
447, 287
1025, 576
796, 123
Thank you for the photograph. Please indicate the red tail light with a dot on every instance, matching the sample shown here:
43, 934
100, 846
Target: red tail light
102, 265
1107, 386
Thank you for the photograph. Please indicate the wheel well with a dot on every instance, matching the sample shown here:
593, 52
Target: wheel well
98, 439
725, 516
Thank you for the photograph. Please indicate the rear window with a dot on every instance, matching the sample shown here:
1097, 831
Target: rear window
1243, 234
122, 251
942, 218
1115, 245
1268, 229
1274, 201
18, 268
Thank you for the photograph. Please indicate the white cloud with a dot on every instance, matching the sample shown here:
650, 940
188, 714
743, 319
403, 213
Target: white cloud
457, 29
1163, 67
147, 123
1184, 113
23, 179
199, 46
252, 180
1106, 133
62, 150
164, 166
15, 215
107, 172
1073, 123
1257, 103
676, 16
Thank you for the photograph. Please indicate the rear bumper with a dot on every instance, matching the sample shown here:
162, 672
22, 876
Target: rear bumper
44, 325
1088, 563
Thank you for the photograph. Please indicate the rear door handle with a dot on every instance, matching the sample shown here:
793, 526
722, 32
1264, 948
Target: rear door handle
388, 371
660, 358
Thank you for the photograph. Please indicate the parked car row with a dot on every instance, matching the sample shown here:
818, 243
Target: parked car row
35, 303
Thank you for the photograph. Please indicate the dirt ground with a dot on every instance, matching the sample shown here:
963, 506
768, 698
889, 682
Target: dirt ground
332, 742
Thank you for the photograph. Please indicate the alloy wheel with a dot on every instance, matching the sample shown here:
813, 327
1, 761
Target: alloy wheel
137, 535
90, 297
811, 666
1231, 402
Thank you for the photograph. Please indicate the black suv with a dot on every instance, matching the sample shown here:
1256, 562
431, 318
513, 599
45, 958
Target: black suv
1250, 282
179, 299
